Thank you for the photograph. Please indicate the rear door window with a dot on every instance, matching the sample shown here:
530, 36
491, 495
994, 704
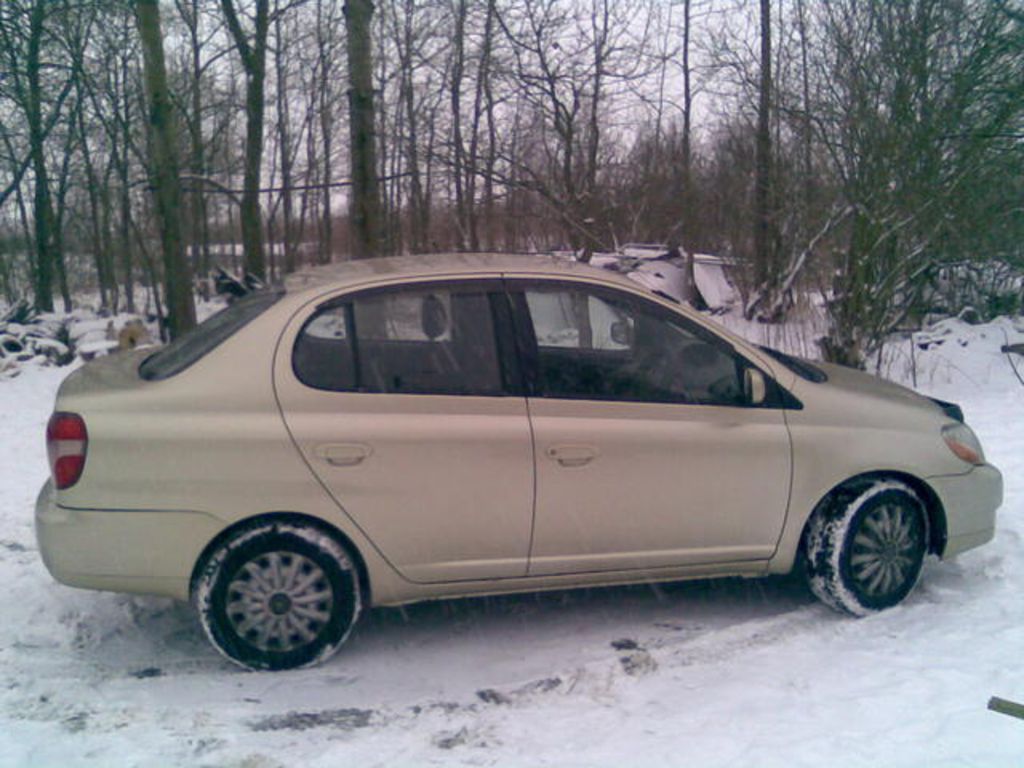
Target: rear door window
435, 340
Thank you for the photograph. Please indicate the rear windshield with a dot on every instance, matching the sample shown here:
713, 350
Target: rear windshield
187, 349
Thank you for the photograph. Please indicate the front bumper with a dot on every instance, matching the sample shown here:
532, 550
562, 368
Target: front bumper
970, 501
142, 551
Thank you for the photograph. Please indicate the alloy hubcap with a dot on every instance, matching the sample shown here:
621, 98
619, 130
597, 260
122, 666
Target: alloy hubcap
885, 550
279, 601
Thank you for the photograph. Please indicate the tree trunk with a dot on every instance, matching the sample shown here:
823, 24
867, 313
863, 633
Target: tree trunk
492, 129
6, 289
124, 159
63, 182
417, 208
365, 204
764, 261
254, 61
100, 256
326, 213
42, 203
181, 315
310, 175
326, 110
687, 170
473, 158
252, 232
805, 119
458, 151
285, 149
200, 233
150, 278
107, 233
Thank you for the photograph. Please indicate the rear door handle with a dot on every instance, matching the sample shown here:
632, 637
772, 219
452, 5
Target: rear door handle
343, 454
572, 455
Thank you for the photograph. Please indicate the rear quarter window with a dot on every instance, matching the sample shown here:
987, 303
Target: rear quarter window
207, 336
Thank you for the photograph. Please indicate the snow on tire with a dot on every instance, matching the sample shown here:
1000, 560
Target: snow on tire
278, 595
865, 546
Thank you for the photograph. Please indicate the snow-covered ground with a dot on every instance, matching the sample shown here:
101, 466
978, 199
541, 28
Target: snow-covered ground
716, 673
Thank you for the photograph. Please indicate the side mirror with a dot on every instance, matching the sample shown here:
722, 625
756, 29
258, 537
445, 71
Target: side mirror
755, 386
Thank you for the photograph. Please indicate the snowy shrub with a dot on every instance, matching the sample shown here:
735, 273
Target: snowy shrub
990, 289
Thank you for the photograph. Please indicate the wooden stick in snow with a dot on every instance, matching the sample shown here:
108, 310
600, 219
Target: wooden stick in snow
1004, 707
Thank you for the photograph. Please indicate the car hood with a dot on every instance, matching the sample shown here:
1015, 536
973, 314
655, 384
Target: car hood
865, 386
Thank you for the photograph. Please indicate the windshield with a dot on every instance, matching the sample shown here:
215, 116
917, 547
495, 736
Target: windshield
187, 349
802, 368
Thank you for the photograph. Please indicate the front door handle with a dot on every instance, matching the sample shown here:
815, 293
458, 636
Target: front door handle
572, 455
343, 454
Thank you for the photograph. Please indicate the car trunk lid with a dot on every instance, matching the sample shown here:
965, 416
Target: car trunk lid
114, 373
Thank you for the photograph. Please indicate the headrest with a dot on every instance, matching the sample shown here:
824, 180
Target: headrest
433, 317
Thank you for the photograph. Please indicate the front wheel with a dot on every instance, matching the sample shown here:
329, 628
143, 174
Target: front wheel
278, 595
865, 547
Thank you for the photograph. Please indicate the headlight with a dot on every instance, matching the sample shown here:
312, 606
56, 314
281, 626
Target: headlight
963, 442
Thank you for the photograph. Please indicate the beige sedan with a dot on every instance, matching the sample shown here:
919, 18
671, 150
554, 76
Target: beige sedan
467, 425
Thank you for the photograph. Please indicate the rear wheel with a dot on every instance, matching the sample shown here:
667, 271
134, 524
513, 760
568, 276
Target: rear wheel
865, 547
278, 595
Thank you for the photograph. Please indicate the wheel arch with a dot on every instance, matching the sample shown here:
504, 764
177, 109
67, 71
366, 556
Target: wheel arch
285, 517
937, 529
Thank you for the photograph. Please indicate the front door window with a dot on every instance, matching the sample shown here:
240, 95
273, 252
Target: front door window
598, 346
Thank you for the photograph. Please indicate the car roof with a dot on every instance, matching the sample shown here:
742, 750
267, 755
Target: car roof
353, 273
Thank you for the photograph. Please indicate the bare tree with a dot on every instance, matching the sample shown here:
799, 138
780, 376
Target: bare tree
327, 90
570, 62
27, 42
458, 68
111, 82
921, 117
203, 49
79, 37
181, 315
252, 51
408, 25
483, 112
365, 203
765, 241
285, 148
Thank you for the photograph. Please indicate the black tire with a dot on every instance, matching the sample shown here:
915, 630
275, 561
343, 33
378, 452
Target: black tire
278, 595
865, 547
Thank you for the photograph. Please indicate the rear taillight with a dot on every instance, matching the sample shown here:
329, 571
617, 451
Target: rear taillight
66, 443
